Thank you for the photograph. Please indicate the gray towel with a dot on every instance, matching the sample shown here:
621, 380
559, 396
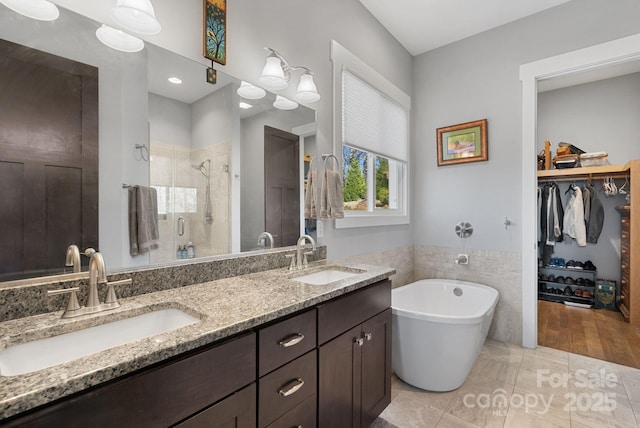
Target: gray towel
310, 195
331, 199
143, 220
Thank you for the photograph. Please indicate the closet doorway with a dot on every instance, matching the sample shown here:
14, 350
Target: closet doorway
566, 66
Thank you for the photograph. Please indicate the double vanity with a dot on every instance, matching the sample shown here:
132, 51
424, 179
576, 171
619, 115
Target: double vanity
271, 348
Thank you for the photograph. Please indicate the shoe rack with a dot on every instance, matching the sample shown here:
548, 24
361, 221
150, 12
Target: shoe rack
574, 287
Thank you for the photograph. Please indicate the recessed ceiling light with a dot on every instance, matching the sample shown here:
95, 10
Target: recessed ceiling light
244, 105
175, 80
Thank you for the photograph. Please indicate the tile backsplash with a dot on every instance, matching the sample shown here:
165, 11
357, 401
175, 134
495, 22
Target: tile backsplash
32, 299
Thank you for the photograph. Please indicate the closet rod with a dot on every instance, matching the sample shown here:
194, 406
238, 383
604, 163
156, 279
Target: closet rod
589, 177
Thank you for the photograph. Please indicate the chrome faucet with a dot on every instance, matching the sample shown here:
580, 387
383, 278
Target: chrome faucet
301, 255
462, 259
263, 237
97, 275
73, 258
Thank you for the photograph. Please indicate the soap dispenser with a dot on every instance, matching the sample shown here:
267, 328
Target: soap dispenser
191, 250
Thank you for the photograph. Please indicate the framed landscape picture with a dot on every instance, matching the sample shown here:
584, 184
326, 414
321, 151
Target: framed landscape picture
215, 30
466, 142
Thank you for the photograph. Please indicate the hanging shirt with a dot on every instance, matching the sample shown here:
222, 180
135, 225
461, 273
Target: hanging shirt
574, 226
596, 218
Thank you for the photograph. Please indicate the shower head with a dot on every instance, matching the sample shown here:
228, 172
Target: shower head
203, 170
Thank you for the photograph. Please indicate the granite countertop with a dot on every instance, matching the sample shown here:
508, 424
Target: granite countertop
225, 307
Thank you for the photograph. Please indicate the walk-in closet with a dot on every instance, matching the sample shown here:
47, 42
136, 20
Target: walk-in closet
588, 228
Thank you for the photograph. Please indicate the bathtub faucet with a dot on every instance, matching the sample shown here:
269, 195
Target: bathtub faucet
462, 259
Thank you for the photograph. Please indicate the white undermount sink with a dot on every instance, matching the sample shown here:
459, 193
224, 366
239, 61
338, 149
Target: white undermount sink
324, 277
40, 354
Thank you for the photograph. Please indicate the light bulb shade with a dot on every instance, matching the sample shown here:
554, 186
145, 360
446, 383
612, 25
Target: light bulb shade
283, 103
42, 10
119, 40
249, 91
307, 91
273, 75
136, 15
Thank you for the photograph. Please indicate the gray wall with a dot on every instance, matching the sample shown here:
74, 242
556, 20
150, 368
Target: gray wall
285, 25
479, 78
169, 120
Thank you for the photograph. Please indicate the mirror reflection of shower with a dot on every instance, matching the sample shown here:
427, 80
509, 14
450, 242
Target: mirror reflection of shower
206, 172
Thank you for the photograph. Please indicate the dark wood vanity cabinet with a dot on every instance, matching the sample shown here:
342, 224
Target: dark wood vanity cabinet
163, 395
354, 367
328, 366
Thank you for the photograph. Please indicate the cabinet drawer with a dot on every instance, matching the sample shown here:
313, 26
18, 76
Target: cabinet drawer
159, 396
238, 410
285, 341
343, 313
303, 415
285, 388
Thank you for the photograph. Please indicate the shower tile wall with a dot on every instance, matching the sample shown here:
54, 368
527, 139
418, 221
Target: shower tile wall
498, 269
172, 168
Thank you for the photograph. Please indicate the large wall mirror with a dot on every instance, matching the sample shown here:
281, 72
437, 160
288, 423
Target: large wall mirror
225, 168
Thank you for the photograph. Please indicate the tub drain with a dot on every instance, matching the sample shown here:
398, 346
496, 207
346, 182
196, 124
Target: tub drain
457, 291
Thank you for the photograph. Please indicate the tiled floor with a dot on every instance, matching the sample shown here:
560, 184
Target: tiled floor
515, 387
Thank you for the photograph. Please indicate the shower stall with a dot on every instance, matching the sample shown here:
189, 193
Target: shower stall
193, 199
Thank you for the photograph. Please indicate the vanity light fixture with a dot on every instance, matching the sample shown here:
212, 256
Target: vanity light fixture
41, 10
119, 40
137, 16
175, 80
251, 92
283, 103
245, 106
277, 72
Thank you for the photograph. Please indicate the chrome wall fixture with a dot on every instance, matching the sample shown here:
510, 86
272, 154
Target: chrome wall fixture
277, 73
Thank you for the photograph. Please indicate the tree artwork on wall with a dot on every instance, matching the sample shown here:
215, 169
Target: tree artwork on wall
215, 30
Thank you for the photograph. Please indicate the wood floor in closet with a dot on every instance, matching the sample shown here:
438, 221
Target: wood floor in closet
597, 333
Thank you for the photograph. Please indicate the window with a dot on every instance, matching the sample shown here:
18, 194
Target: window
372, 133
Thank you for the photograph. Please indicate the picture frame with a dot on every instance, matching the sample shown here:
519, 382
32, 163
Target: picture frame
462, 143
215, 30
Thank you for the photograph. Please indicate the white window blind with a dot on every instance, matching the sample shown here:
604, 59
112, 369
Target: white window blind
371, 121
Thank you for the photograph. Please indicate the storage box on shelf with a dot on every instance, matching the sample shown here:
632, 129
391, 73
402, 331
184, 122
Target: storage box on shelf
574, 287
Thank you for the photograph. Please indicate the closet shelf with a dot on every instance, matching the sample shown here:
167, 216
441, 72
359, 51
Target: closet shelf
574, 173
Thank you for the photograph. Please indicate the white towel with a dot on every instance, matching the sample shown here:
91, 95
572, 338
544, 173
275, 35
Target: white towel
143, 220
331, 198
310, 195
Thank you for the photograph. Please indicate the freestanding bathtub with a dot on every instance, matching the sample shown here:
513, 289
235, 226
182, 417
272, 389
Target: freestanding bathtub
439, 327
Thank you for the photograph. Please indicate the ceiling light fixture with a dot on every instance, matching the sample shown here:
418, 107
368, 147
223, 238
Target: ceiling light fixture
283, 103
251, 92
41, 10
277, 72
119, 40
137, 16
175, 80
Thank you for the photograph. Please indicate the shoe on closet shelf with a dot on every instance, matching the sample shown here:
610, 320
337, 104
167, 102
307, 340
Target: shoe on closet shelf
588, 265
586, 294
589, 283
560, 279
567, 291
569, 280
577, 293
551, 278
579, 281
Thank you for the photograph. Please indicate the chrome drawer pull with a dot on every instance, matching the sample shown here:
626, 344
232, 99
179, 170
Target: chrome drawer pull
294, 339
368, 336
295, 385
